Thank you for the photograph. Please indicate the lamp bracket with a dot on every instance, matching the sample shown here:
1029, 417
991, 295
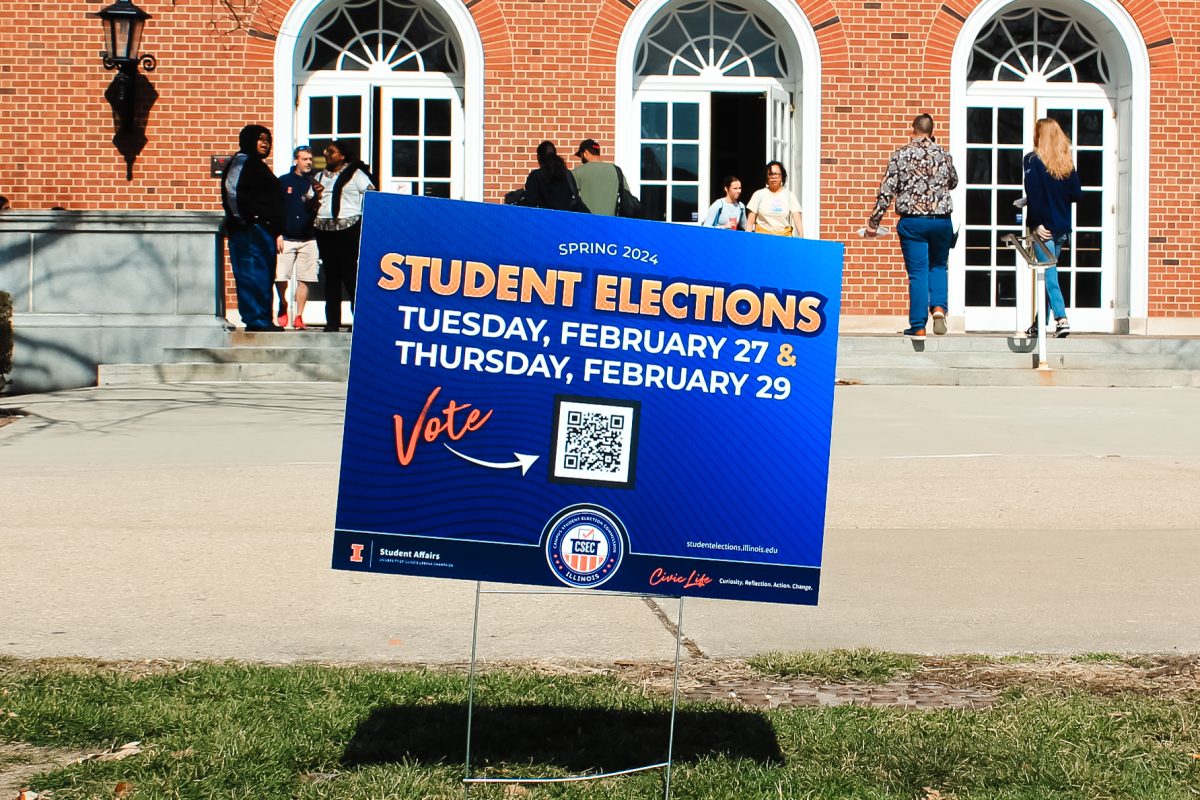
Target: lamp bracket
127, 65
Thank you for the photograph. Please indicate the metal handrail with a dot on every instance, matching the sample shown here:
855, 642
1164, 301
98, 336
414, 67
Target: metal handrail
1029, 247
1039, 258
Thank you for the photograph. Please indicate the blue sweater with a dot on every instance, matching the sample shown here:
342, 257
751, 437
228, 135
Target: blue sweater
298, 207
1049, 198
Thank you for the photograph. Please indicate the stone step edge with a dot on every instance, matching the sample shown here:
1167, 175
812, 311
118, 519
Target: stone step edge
975, 376
119, 374
211, 372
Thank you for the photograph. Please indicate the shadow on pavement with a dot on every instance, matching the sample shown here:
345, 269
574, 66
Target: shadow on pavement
575, 739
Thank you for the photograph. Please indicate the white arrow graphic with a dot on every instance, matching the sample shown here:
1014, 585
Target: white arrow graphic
523, 461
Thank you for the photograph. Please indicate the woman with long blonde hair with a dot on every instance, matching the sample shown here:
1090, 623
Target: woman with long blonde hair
1051, 186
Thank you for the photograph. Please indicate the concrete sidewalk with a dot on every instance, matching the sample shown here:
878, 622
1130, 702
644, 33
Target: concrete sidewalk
194, 521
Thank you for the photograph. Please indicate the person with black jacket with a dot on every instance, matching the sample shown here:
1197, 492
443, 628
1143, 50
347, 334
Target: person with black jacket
253, 201
1052, 184
345, 181
551, 185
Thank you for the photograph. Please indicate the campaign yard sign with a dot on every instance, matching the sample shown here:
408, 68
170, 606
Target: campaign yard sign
550, 398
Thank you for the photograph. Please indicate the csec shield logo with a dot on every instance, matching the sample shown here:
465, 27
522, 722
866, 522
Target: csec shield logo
585, 545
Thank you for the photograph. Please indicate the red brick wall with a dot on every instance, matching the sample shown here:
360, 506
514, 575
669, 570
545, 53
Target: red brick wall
55, 118
1174, 287
861, 129
550, 74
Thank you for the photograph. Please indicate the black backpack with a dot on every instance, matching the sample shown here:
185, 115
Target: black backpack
628, 204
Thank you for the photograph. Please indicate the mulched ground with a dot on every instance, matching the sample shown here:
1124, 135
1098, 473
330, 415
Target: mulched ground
938, 683
19, 762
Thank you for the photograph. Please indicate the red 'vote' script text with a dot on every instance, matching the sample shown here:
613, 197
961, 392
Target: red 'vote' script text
430, 428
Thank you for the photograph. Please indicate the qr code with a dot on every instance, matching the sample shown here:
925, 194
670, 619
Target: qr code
595, 441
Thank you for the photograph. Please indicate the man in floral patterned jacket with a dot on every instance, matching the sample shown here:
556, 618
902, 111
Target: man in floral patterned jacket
919, 178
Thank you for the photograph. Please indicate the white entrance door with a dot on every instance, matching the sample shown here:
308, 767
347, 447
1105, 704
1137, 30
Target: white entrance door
780, 129
422, 142
328, 112
996, 288
416, 132
674, 154
325, 113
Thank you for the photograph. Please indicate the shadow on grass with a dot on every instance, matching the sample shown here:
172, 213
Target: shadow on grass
574, 739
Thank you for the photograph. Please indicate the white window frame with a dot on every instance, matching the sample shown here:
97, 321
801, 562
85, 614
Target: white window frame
288, 77
781, 127
1035, 101
1102, 18
455, 137
703, 100
804, 171
327, 88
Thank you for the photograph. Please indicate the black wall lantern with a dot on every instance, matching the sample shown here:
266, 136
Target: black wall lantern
123, 23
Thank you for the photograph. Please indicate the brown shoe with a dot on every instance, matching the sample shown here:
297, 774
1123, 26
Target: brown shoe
939, 320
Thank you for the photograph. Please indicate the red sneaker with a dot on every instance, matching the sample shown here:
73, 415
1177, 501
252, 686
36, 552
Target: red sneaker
298, 324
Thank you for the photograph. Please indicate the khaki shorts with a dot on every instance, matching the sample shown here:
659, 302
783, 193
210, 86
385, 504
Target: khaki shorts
299, 258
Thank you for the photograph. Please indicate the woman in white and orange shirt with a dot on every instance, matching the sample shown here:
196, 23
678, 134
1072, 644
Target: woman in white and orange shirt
774, 209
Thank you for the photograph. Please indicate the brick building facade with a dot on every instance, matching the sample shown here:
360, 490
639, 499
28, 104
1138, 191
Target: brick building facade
450, 99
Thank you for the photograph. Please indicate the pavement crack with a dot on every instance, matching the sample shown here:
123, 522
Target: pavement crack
693, 649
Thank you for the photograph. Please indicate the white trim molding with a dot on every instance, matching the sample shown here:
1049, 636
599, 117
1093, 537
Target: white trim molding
286, 59
809, 84
1104, 19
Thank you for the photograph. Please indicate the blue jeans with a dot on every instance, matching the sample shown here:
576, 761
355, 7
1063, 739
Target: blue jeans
925, 245
1054, 295
252, 256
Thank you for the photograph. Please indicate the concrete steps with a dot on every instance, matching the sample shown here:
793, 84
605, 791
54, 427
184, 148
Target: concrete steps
130, 374
292, 356
253, 354
945, 376
1000, 360
953, 360
312, 338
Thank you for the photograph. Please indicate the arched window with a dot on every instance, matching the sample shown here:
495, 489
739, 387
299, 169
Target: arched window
716, 85
1025, 65
400, 81
387, 77
711, 38
381, 35
1037, 44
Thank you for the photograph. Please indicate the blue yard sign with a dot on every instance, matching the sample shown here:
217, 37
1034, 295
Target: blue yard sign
550, 398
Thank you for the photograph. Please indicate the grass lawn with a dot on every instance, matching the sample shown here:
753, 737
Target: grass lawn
306, 731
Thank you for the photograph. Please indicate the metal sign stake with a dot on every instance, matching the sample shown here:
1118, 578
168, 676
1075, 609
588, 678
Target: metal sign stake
469, 781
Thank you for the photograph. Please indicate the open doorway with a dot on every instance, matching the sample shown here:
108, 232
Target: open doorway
690, 140
737, 134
